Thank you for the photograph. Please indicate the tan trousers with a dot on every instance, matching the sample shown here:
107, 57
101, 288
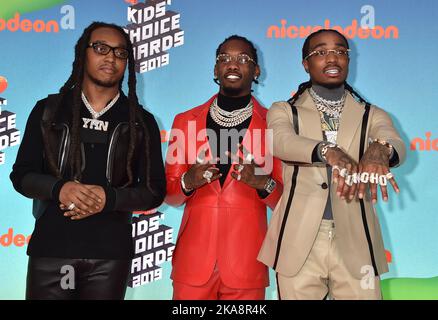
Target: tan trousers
325, 275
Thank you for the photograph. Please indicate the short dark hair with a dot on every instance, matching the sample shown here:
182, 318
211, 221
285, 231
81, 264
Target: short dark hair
306, 45
240, 38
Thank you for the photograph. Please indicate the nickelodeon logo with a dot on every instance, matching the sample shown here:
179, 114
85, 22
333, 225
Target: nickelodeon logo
424, 144
8, 239
15, 24
350, 32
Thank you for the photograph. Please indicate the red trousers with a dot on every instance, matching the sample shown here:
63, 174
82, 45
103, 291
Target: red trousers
215, 289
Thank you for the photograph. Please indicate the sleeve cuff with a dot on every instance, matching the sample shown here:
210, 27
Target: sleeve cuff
263, 194
57, 189
110, 201
316, 158
394, 160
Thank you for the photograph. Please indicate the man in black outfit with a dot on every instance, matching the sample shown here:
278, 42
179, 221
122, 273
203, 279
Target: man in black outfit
89, 157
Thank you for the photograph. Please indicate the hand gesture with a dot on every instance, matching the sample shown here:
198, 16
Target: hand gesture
81, 200
201, 173
374, 168
244, 169
344, 172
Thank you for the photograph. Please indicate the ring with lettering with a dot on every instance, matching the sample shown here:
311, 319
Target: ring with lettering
374, 178
343, 172
364, 177
382, 180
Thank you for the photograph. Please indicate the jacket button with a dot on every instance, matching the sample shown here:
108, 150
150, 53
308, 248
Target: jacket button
324, 185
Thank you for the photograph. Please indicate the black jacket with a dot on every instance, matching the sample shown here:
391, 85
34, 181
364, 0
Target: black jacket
31, 176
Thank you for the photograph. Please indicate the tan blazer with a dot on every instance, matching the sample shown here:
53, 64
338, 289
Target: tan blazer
295, 221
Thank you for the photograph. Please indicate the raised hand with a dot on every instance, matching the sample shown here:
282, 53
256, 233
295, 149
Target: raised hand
244, 169
201, 173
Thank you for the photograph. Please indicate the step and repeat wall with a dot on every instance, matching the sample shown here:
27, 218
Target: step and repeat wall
393, 65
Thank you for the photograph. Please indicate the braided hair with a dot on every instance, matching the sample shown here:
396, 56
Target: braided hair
74, 83
305, 51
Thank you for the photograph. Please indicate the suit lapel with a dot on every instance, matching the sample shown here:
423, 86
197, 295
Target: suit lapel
351, 119
310, 118
200, 122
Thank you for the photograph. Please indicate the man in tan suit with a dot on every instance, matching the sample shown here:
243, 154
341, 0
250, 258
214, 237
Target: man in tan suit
324, 237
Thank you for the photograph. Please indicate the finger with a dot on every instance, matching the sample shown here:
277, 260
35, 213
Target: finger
340, 187
87, 190
75, 211
383, 181
335, 174
215, 177
373, 189
390, 178
90, 193
361, 190
88, 196
384, 191
200, 159
208, 168
80, 217
62, 206
84, 203
233, 157
353, 181
341, 179
346, 189
361, 186
394, 185
82, 211
236, 176
352, 191
69, 213
239, 167
247, 156
82, 207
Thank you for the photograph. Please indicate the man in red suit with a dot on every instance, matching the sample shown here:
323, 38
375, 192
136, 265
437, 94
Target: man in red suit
219, 165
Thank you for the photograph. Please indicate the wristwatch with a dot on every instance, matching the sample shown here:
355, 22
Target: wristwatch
270, 185
324, 146
384, 143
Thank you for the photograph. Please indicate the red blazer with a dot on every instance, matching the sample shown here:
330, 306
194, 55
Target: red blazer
224, 225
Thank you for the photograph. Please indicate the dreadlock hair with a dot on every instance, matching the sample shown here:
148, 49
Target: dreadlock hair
305, 51
74, 83
248, 42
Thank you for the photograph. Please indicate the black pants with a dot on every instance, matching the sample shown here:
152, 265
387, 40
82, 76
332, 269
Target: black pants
72, 279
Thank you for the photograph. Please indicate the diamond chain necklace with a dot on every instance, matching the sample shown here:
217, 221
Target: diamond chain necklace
230, 119
329, 107
94, 113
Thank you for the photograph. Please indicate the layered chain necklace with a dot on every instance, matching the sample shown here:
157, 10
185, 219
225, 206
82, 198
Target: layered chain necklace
331, 108
230, 119
94, 113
